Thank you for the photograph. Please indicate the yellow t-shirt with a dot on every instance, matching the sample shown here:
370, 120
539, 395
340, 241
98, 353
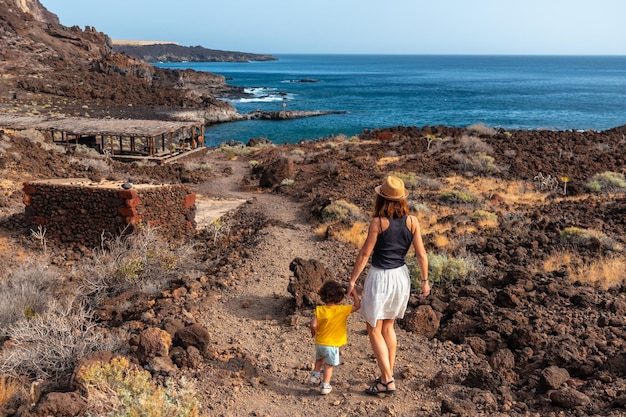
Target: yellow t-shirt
332, 324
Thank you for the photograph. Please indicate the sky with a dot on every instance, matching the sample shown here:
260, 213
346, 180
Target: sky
484, 27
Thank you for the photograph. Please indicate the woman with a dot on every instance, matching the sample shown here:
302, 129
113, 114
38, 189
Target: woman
387, 285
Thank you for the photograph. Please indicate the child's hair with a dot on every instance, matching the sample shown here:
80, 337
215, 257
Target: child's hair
332, 292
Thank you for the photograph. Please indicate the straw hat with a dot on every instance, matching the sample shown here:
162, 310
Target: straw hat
392, 189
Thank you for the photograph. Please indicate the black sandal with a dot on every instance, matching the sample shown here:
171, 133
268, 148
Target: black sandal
374, 390
379, 380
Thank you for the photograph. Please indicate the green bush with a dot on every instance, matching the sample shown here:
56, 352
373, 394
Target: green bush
119, 389
484, 215
477, 162
588, 238
457, 196
607, 182
341, 210
418, 207
442, 269
410, 179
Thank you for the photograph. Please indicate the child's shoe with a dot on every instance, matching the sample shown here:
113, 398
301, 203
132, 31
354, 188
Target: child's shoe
325, 388
315, 378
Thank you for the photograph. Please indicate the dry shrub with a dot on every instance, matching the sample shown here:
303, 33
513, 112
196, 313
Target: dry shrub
431, 183
354, 235
50, 344
472, 144
98, 165
481, 129
478, 162
386, 160
485, 219
557, 261
25, 292
418, 207
142, 261
440, 241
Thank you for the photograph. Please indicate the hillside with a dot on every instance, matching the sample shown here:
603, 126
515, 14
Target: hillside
50, 68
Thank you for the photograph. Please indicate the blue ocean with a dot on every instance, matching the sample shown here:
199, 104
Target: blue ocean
513, 92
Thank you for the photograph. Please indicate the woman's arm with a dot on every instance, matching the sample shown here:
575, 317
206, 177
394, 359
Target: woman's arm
364, 253
421, 256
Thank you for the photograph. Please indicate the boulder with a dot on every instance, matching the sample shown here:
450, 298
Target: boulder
194, 335
423, 320
276, 171
569, 398
308, 277
153, 342
552, 378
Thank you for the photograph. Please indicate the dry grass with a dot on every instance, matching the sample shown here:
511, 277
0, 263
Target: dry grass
555, 262
387, 160
10, 389
485, 219
509, 192
354, 235
440, 241
604, 272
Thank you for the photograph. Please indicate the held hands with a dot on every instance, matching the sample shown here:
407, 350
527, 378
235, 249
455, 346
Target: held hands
351, 291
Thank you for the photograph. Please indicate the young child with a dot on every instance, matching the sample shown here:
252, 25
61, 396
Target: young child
329, 327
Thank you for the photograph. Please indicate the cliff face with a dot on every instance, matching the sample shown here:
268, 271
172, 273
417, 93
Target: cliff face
36, 10
47, 67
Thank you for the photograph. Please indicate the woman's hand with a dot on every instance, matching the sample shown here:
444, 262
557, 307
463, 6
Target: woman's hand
425, 289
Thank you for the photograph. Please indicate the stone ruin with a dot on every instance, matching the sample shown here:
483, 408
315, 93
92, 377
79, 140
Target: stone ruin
79, 212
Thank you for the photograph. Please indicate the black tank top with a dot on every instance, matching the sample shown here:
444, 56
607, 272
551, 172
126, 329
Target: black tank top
392, 245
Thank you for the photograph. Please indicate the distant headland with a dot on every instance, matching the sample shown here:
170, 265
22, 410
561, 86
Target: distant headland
166, 51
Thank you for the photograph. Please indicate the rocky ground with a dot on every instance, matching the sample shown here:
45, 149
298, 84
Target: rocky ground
514, 337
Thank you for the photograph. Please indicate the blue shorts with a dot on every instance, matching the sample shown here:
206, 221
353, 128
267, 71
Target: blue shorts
330, 354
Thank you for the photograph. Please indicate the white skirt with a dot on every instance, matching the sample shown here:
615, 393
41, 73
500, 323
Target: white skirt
385, 294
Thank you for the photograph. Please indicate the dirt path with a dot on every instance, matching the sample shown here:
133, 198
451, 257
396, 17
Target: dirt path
248, 321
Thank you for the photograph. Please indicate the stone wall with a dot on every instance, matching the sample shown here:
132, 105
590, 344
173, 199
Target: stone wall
76, 212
